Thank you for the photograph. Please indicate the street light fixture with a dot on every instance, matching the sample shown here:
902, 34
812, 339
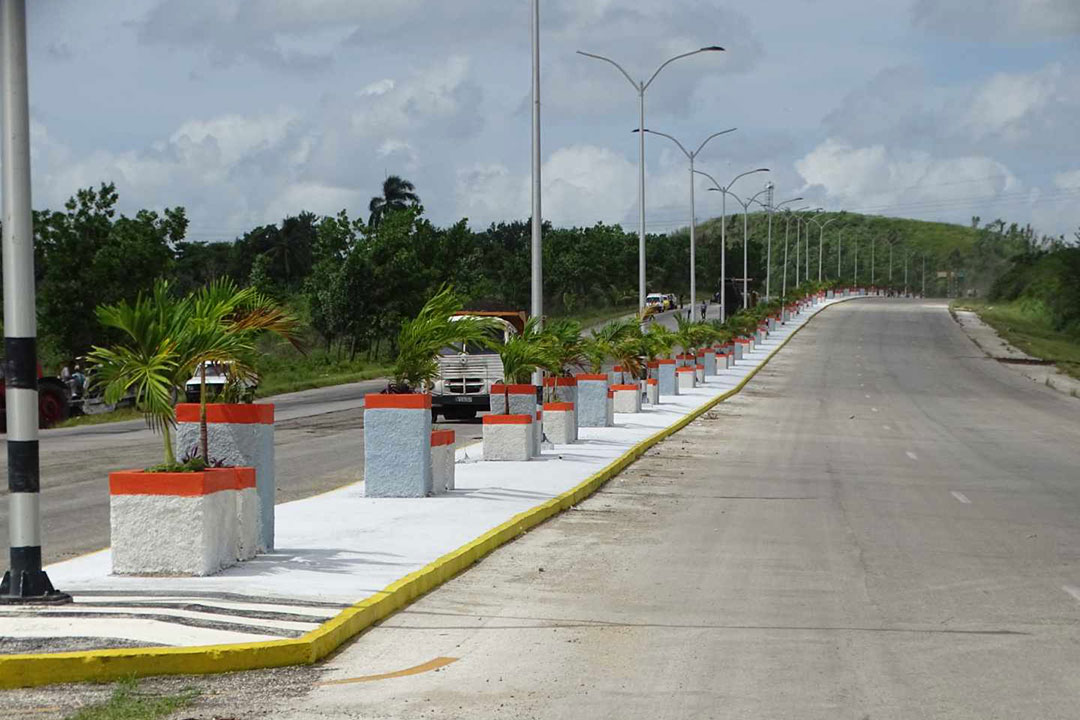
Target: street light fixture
693, 220
787, 234
771, 209
640, 87
723, 231
821, 240
745, 240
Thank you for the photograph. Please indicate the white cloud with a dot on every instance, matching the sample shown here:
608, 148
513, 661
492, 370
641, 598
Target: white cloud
1002, 104
999, 19
887, 181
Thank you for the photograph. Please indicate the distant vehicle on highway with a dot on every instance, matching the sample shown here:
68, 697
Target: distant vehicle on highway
217, 379
655, 302
467, 371
670, 301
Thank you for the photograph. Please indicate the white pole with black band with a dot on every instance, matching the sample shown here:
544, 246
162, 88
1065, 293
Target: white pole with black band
25, 581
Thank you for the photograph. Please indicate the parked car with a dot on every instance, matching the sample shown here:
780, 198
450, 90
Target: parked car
655, 302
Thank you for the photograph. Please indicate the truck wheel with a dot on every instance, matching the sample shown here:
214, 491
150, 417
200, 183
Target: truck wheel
52, 406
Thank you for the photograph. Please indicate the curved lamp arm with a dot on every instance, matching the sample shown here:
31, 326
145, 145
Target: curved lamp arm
633, 82
710, 48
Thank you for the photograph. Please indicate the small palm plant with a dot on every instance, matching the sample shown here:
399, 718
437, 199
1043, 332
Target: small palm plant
565, 345
522, 355
226, 322
662, 339
152, 360
435, 327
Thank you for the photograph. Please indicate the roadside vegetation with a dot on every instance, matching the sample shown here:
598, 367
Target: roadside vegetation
128, 702
1035, 304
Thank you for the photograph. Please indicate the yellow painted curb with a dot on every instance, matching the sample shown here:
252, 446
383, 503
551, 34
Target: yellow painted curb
103, 665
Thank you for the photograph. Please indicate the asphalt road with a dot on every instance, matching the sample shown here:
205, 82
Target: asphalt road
319, 444
884, 524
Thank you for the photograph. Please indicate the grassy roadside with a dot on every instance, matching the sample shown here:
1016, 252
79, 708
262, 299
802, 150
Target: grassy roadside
1024, 327
128, 703
101, 418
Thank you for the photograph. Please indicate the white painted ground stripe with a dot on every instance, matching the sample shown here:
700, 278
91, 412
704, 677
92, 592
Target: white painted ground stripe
961, 497
1074, 591
115, 600
159, 612
151, 631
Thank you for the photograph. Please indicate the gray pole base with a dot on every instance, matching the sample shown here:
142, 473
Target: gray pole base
30, 588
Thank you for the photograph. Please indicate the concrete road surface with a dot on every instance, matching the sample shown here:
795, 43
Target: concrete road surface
319, 445
885, 524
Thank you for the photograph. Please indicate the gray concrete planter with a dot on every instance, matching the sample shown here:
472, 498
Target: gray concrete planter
666, 375
592, 404
397, 445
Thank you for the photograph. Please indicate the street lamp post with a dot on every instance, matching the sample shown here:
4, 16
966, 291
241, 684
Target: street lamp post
821, 243
771, 209
839, 253
873, 275
856, 241
537, 220
723, 231
25, 581
693, 219
641, 86
787, 234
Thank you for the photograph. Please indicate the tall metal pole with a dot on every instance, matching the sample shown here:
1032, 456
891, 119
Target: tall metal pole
905, 273
537, 219
745, 252
839, 252
924, 275
641, 199
806, 255
873, 275
856, 241
787, 235
798, 244
25, 581
820, 252
723, 257
768, 252
890, 263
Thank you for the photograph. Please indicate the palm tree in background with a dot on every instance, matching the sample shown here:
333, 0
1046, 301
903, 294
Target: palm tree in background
397, 194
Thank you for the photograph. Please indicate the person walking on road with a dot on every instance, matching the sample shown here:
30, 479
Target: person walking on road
704, 309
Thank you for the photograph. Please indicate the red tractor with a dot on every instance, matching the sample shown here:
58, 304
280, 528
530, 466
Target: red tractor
54, 401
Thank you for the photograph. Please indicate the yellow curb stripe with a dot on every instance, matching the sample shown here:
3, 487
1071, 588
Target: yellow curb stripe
103, 665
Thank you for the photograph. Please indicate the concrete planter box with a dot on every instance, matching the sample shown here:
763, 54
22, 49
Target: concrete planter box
240, 435
687, 377
699, 374
737, 349
626, 398
666, 372
522, 399
591, 406
509, 437
617, 375
564, 390
176, 523
652, 391
397, 445
442, 461
686, 360
652, 369
707, 359
538, 433
560, 422
610, 408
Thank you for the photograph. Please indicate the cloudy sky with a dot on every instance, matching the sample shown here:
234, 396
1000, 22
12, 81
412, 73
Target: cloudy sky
249, 110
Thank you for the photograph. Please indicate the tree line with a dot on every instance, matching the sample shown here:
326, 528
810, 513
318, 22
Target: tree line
353, 280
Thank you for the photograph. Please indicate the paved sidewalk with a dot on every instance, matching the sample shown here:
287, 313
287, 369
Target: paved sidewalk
335, 549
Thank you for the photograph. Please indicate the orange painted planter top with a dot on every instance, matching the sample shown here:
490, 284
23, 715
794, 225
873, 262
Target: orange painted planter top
584, 376
442, 437
558, 406
237, 414
652, 381
245, 477
685, 356
508, 419
177, 484
560, 382
615, 388
684, 369
666, 361
518, 389
406, 401
654, 364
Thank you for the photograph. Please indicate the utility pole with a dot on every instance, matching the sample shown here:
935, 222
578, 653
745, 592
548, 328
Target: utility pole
856, 262
839, 252
537, 219
873, 277
907, 257
25, 581
890, 263
924, 275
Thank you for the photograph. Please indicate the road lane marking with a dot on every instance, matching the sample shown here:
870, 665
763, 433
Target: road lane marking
961, 497
912, 455
430, 665
1074, 591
